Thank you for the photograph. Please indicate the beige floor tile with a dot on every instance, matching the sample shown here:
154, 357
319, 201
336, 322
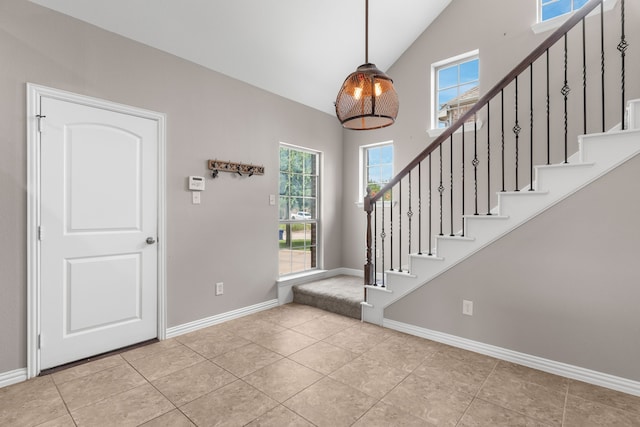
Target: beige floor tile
166, 362
319, 328
330, 403
322, 357
235, 404
63, 421
345, 321
173, 418
212, 345
247, 359
253, 329
280, 417
398, 353
369, 376
282, 379
453, 373
356, 340
535, 401
286, 342
606, 396
87, 368
290, 315
130, 408
383, 415
468, 356
190, 383
432, 402
585, 413
149, 349
481, 414
95, 387
30, 403
532, 375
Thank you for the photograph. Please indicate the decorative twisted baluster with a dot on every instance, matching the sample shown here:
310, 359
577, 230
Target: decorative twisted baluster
430, 219
383, 235
565, 92
602, 61
531, 127
451, 182
420, 208
502, 133
475, 162
441, 191
488, 159
584, 78
622, 47
409, 213
548, 115
516, 131
462, 177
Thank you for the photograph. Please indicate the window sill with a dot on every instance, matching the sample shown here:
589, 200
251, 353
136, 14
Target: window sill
437, 132
552, 24
386, 204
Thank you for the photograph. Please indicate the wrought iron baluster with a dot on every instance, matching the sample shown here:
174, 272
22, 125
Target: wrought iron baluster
420, 208
441, 191
475, 162
488, 159
409, 213
565, 92
622, 47
548, 115
400, 225
383, 235
462, 203
390, 230
451, 181
602, 62
516, 131
584, 78
531, 127
502, 133
375, 244
430, 220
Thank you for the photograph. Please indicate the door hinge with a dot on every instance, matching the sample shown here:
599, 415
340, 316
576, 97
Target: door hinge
40, 233
39, 341
40, 117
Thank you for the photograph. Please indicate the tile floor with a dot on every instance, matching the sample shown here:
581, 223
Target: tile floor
299, 366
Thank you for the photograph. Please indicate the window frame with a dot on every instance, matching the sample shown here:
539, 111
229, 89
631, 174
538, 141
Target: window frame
315, 220
363, 166
541, 26
435, 67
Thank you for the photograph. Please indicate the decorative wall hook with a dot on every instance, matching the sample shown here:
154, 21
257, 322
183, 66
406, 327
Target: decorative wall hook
242, 169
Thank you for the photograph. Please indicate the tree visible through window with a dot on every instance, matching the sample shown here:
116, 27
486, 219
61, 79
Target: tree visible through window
549, 9
456, 90
378, 167
298, 207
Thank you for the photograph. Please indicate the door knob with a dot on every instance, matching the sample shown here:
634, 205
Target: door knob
150, 240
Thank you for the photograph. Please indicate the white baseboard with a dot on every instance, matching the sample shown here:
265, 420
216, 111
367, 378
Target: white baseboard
219, 318
558, 368
13, 377
285, 293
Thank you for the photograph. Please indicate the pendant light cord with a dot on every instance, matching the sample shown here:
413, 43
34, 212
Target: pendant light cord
366, 31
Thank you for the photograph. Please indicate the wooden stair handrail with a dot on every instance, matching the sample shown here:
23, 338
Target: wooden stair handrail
519, 69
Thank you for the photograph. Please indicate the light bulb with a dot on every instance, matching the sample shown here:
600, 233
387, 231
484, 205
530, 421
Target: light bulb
378, 89
357, 93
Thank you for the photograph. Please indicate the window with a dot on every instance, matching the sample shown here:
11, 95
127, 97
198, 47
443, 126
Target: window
377, 167
455, 88
549, 9
298, 206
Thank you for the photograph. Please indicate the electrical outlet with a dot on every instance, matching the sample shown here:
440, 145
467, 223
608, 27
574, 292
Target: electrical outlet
219, 288
467, 307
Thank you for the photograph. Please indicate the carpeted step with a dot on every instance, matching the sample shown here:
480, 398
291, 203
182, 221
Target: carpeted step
340, 294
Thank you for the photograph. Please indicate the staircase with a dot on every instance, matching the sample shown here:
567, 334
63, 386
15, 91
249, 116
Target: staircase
597, 155
529, 126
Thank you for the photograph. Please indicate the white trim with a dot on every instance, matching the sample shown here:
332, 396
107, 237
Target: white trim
438, 131
13, 377
554, 23
220, 318
285, 284
34, 94
558, 368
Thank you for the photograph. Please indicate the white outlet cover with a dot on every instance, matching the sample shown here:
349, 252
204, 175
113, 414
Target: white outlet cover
467, 307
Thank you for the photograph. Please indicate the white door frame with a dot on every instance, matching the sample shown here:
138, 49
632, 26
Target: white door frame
34, 94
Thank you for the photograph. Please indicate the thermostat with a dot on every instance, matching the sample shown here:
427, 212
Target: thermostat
196, 183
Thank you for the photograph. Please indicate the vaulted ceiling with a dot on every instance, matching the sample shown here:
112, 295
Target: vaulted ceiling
299, 49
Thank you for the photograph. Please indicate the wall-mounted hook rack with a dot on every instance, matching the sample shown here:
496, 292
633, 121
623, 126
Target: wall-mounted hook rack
242, 169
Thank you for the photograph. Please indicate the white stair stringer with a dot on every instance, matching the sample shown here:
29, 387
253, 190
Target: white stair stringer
597, 155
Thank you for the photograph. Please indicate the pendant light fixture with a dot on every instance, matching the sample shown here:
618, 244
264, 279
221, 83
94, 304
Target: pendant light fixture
367, 99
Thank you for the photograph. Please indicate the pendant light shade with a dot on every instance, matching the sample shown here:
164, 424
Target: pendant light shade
367, 99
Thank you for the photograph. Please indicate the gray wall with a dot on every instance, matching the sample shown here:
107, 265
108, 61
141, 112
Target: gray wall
563, 286
231, 236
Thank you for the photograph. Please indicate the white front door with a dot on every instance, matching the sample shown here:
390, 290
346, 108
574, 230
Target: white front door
99, 230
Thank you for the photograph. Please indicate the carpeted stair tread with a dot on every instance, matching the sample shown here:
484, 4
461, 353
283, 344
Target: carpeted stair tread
340, 294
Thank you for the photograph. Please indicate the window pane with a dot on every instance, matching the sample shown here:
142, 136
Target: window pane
386, 173
373, 156
309, 186
297, 161
447, 77
284, 159
386, 154
469, 71
296, 187
309, 206
466, 88
551, 10
446, 96
284, 208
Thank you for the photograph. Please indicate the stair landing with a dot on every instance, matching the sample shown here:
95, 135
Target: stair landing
339, 294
